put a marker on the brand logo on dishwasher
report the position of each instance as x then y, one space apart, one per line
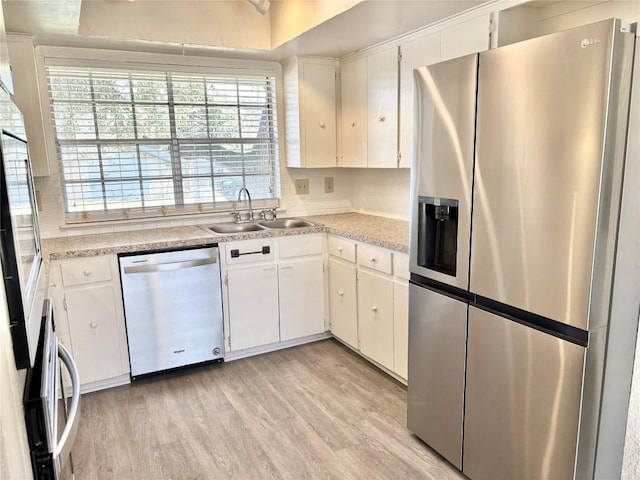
179 351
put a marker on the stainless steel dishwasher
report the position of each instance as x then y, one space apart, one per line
173 309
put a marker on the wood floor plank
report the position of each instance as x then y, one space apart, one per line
317 411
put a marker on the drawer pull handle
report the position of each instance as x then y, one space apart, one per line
266 250
87 273
381 118
374 308
286 267
340 292
322 125
269 269
93 325
372 259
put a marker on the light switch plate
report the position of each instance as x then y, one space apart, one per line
328 184
302 186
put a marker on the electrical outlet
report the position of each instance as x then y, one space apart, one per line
328 184
302 186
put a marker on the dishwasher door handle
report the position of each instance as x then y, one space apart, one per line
163 267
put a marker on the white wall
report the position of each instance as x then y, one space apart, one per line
14 448
232 23
381 192
291 18
564 15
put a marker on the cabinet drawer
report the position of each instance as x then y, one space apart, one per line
374 258
260 250
300 245
87 270
341 248
401 265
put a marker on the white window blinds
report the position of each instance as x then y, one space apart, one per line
146 143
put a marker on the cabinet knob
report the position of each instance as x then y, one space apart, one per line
53 284
374 308
353 124
340 292
372 259
93 325
381 118
322 125
87 273
339 248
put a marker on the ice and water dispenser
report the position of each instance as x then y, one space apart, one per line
438 234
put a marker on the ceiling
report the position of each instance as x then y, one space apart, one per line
58 22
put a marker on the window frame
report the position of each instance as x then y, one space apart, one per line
154 62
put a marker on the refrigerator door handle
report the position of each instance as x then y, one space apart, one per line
68 435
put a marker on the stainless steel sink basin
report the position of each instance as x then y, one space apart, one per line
236 227
287 223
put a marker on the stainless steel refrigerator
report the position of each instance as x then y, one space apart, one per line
524 291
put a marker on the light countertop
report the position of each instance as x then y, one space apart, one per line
381 231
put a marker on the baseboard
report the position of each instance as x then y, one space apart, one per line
104 384
393 375
272 347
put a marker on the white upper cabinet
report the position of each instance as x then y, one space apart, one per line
5 67
415 53
27 99
382 94
310 111
369 111
465 38
353 82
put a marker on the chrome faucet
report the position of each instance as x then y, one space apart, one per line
244 189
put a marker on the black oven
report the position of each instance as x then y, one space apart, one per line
20 249
51 418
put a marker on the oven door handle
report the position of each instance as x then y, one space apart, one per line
69 432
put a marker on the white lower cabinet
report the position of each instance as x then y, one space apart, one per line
301 298
253 306
94 336
401 328
369 301
89 318
343 302
275 290
375 317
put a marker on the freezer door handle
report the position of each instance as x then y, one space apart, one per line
163 267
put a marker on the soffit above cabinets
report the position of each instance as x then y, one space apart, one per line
360 25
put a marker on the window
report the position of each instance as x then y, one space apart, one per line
145 143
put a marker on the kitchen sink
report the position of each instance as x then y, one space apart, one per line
287 223
236 227
284 223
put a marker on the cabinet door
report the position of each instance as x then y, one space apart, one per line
301 298
375 318
343 302
253 306
400 328
354 113
415 53
382 118
318 105
465 38
93 329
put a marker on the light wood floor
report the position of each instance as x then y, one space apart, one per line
315 411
